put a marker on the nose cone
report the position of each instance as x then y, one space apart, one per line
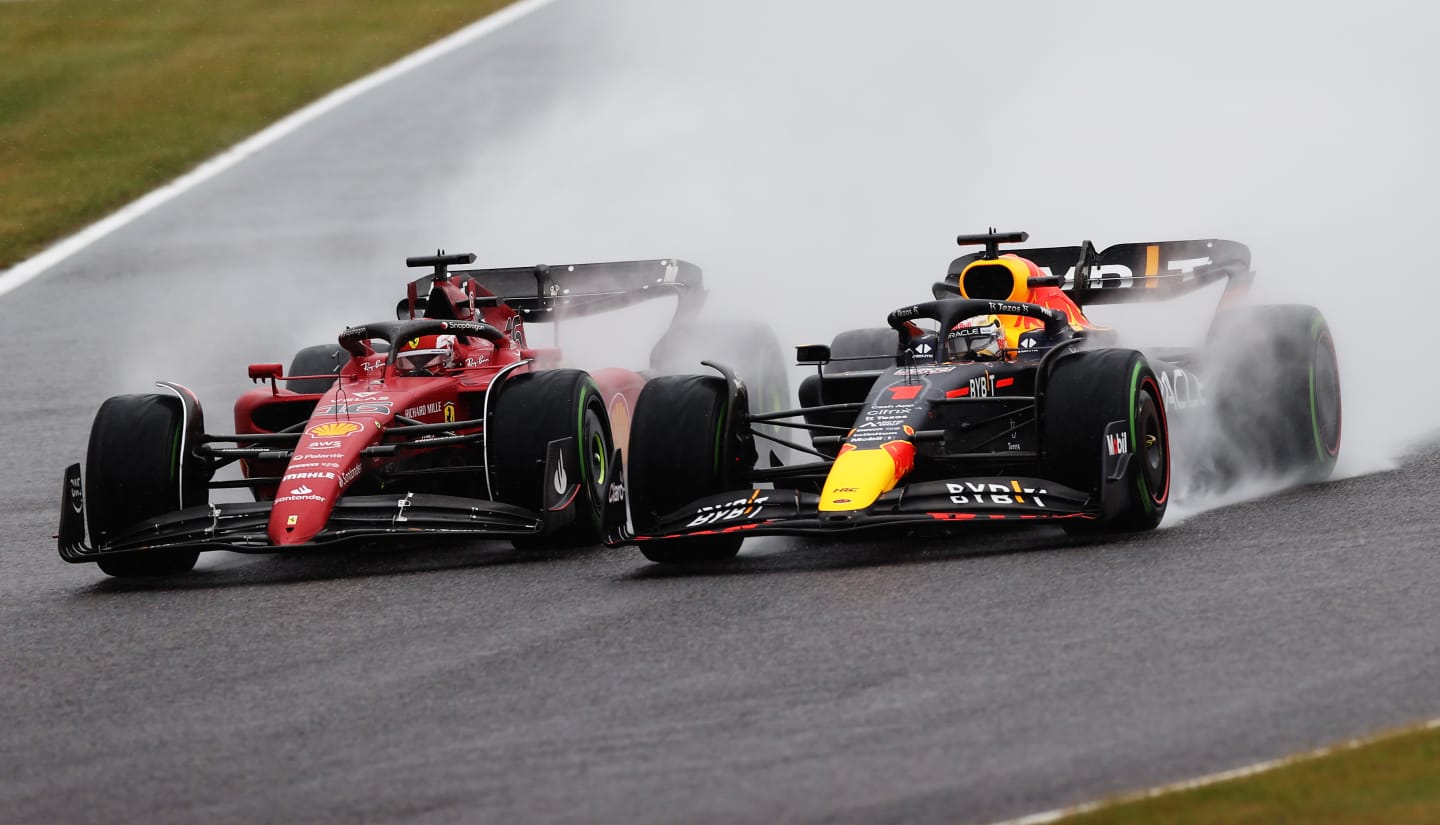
312 483
858 477
302 506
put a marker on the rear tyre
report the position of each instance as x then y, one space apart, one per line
876 344
844 382
321 359
687 442
749 348
1084 393
531 411
137 467
1276 386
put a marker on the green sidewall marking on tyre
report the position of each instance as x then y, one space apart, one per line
1135 438
580 432
1314 414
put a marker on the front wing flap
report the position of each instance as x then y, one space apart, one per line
923 504
241 527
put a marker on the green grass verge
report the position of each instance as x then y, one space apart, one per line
1394 779
102 101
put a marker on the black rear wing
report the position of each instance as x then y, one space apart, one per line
1133 271
552 292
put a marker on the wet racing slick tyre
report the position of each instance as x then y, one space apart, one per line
137 467
1084 393
1274 380
686 443
873 348
532 410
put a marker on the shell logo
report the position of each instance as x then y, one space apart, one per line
334 429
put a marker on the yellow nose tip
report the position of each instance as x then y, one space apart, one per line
857 478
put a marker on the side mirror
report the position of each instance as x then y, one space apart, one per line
817 354
261 372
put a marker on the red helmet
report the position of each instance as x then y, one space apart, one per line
427 355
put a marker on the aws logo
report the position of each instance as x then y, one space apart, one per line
334 429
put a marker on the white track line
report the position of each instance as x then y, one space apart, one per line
1200 782
30 268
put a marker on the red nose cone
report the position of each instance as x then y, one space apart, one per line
302 506
311 485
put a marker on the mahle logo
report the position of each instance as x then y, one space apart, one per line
335 429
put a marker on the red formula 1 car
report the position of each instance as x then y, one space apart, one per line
446 422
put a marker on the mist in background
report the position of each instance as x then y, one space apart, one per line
818 158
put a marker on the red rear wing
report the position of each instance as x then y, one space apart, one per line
1133 271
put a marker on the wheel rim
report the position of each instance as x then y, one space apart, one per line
1153 447
595 457
1325 397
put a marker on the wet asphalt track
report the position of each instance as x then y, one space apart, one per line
938 681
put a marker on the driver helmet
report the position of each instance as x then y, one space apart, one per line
978 337
429 355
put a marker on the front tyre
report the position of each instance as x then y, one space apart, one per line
687 442
531 411
138 466
1103 416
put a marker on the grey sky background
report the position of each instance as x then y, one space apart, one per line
817 158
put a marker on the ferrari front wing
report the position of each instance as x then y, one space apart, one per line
241 527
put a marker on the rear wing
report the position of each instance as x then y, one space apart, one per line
551 292
1132 271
